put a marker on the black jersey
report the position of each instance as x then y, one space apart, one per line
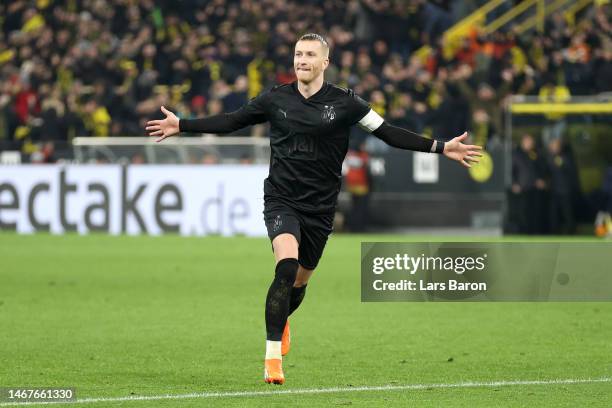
309 139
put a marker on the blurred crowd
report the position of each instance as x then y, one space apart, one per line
546 196
101 67
545 184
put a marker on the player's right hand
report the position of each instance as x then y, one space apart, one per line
163 128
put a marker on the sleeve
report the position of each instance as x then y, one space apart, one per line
407 140
252 113
357 108
370 121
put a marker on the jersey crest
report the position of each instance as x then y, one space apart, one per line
328 114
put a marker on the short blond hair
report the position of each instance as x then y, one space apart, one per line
316 37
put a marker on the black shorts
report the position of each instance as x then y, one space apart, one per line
310 230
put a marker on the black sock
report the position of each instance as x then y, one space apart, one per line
297 295
279 297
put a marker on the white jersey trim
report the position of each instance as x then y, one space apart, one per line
371 121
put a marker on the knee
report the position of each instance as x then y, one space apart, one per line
285 246
287 270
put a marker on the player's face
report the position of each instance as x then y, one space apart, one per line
309 60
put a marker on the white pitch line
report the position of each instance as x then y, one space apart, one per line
296 391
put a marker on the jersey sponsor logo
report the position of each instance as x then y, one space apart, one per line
328 114
302 147
299 146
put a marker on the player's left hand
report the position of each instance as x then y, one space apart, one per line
464 154
164 128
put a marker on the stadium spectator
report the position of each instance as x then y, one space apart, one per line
138 158
529 197
607 188
357 181
563 187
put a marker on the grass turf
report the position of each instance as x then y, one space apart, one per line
121 316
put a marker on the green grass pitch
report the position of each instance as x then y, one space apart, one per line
130 316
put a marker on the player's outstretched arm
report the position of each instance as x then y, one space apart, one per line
454 149
252 113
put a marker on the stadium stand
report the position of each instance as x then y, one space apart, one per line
102 67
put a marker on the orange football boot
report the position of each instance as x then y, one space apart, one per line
273 373
286 340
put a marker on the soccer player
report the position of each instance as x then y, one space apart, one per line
310 121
